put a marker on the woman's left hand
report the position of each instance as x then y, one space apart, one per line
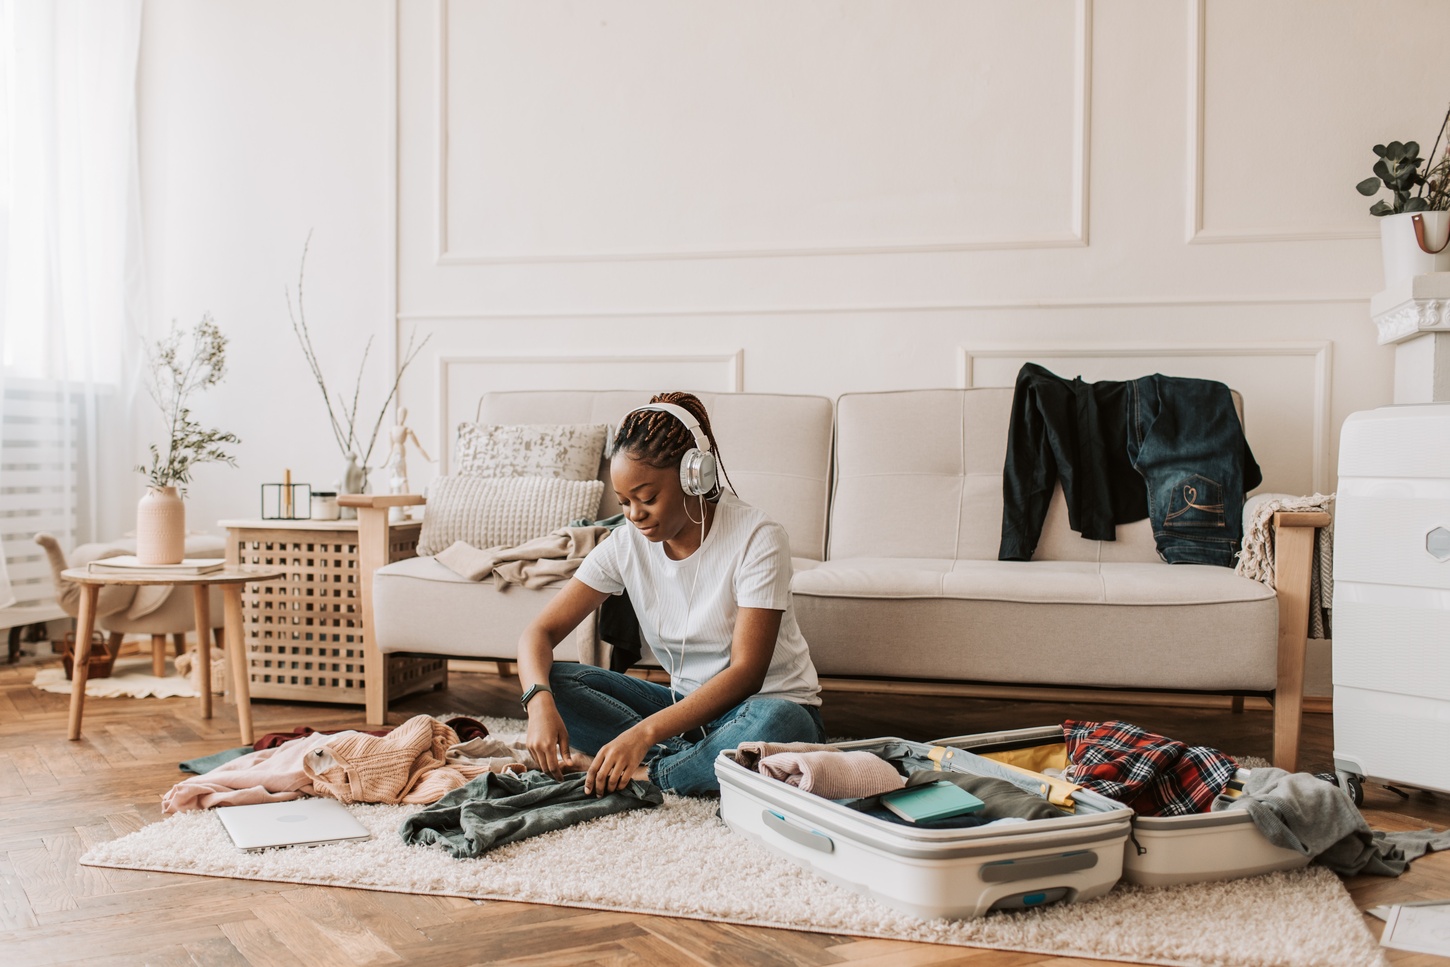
615 764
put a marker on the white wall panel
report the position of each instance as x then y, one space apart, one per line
655 129
847 193
1287 100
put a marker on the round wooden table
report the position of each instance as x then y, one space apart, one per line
229 579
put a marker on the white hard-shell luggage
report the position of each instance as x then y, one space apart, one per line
1391 608
1164 850
951 873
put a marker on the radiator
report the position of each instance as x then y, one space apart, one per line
42 440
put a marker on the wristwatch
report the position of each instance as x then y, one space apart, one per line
532 691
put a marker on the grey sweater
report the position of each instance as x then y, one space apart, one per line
1315 817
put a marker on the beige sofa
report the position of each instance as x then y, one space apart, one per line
893 502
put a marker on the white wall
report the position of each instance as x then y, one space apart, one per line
262 121
818 197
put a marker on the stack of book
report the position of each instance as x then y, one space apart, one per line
129 562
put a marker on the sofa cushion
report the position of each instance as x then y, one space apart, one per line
1045 582
568 450
502 511
1114 625
421 606
919 474
775 448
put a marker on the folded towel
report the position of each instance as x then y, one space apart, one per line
834 775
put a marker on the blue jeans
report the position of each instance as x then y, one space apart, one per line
598 704
1185 438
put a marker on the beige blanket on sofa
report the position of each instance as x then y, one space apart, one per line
539 563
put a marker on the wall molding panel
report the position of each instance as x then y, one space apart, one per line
1197 93
1075 235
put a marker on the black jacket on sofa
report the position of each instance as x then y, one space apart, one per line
1163 447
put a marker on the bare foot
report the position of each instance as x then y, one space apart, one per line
577 762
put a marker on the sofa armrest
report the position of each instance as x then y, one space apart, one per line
1293 567
373 543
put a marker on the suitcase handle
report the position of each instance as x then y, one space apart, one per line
806 837
1005 871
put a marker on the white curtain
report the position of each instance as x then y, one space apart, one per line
70 264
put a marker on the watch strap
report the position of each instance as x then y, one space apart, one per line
531 692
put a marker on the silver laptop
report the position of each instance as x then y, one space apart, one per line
296 822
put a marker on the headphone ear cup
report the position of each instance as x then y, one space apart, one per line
697 472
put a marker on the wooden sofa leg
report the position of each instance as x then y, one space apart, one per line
1293 567
178 642
158 655
1236 704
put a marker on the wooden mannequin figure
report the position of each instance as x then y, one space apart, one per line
397 460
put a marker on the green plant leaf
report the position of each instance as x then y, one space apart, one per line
1369 186
1383 170
1412 149
1395 150
1416 205
1379 149
1380 208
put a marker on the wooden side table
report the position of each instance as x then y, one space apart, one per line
308 630
231 580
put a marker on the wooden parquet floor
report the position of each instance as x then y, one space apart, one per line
58 797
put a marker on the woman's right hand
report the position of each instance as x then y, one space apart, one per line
547 739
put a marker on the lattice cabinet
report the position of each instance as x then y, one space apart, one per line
305 632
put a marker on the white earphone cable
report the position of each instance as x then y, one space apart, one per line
689 602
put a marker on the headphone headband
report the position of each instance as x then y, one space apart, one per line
702 440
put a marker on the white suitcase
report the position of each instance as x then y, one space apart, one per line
951 873
1165 850
1391 609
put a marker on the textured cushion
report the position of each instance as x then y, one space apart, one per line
489 512
568 450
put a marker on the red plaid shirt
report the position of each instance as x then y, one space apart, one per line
1152 775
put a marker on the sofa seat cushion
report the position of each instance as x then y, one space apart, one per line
421 606
1066 623
1045 582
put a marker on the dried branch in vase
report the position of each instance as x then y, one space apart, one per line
343 416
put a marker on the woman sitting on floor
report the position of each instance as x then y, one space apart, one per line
709 578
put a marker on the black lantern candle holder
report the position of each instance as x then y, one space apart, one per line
286 501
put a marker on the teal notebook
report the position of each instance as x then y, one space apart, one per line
938 800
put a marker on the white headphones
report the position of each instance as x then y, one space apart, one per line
697 466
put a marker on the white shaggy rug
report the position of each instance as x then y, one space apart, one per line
680 860
129 678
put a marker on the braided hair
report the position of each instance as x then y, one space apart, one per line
660 440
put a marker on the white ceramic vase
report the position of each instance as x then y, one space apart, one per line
1403 256
161 527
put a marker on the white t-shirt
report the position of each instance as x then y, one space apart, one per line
744 562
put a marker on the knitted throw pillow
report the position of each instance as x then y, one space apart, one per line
568 450
502 511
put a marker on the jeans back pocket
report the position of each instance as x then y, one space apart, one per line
1196 502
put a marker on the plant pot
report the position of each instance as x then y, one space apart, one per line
1403 255
160 527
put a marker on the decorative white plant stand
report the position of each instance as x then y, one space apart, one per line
1413 315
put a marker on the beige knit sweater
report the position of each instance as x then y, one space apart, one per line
409 764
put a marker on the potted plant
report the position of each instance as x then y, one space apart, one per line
1415 223
178 371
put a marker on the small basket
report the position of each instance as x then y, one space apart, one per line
102 659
